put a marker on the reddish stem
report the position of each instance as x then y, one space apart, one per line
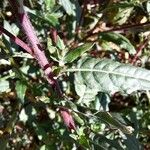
39 54
121 28
54 35
68 119
139 49
16 40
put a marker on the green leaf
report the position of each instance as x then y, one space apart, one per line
3 142
4 86
84 141
119 40
49 4
78 119
22 55
119 5
68 6
74 54
106 143
21 89
132 142
52 18
41 133
86 95
12 28
109 76
4 62
60 44
114 122
101 101
23 116
122 15
148 7
119 13
43 147
52 49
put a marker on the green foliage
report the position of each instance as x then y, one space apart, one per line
4 86
122 12
21 89
74 54
119 40
105 93
97 74
68 6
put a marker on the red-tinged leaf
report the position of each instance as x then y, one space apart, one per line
67 118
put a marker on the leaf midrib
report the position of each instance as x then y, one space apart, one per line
103 71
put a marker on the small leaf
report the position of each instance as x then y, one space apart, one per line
84 141
122 15
119 40
4 62
74 54
148 7
3 142
67 118
118 13
86 95
52 18
43 147
60 44
132 142
68 6
21 89
51 49
105 143
22 55
4 86
109 76
101 102
105 116
78 119
44 99
49 4
12 28
23 116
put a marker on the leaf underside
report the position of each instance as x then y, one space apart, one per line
109 76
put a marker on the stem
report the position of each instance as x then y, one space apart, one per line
40 56
83 12
140 48
16 40
121 28
128 27
34 42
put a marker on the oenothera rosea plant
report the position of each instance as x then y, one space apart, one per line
36 50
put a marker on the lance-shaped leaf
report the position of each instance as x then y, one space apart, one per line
109 76
106 116
119 40
21 89
68 6
74 54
